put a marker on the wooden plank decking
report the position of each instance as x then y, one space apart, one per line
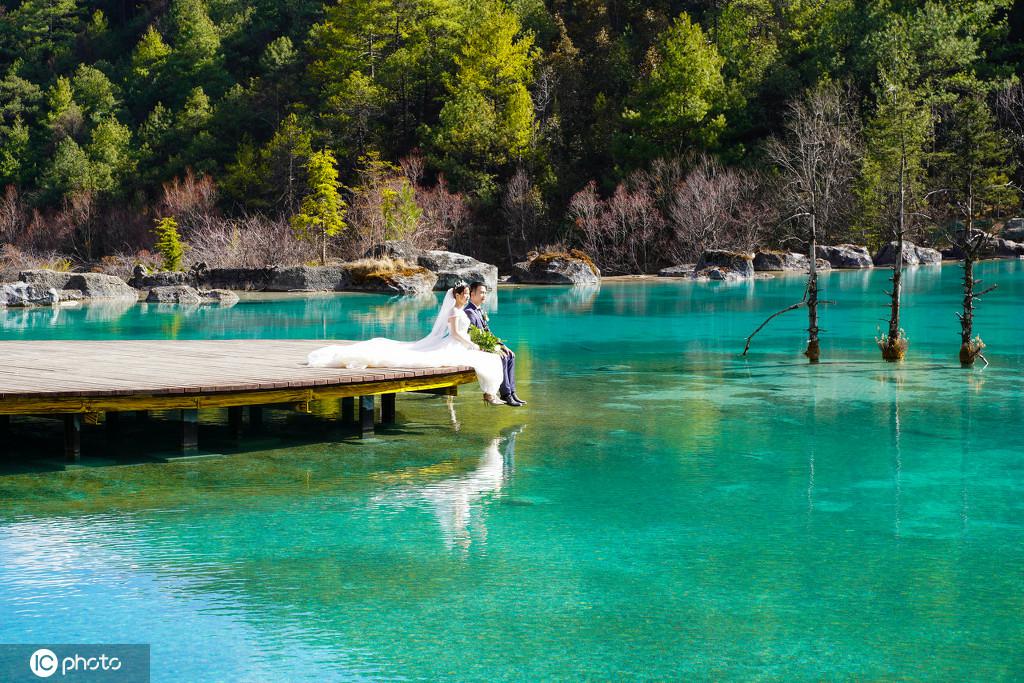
72 377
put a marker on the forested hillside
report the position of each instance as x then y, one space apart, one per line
641 131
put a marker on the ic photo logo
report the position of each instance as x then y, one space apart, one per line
43 663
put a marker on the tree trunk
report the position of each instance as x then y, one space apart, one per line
967 351
895 347
813 351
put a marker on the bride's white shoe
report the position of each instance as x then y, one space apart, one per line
493 400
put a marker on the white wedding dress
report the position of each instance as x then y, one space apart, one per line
437 349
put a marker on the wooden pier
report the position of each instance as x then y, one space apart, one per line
81 381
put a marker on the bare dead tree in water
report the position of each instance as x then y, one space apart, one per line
817 164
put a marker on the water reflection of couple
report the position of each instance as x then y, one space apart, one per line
448 344
452 500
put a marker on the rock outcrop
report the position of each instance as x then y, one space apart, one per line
913 255
143 279
786 261
449 266
683 270
736 262
309 279
91 285
187 295
557 268
846 256
25 294
174 294
1013 230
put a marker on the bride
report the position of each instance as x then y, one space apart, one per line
448 344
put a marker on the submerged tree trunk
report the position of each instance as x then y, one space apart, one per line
894 348
813 351
968 348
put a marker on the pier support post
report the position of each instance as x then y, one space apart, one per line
348 410
366 416
189 430
5 434
73 437
255 419
387 409
235 422
112 426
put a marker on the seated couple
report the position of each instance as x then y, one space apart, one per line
448 344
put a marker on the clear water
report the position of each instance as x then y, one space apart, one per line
663 509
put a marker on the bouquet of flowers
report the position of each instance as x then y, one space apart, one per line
484 339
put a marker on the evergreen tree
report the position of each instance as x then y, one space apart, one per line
168 243
680 101
322 213
487 121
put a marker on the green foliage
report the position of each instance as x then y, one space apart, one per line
401 213
322 213
973 160
487 121
115 102
680 101
168 243
484 339
893 180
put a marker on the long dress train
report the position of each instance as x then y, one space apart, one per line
437 349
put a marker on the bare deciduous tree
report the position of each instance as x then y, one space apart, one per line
713 207
523 211
624 234
817 164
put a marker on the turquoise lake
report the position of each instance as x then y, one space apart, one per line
663 508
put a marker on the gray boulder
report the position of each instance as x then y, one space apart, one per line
845 256
452 268
913 255
719 274
1013 230
741 264
91 285
23 294
775 261
928 256
1004 248
190 296
224 297
174 294
142 279
411 280
556 269
684 270
309 279
243 279
994 247
449 266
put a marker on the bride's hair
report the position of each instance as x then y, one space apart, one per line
460 288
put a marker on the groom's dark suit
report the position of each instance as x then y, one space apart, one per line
508 361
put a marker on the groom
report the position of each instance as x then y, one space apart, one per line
477 318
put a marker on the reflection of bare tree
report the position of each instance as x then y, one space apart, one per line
455 501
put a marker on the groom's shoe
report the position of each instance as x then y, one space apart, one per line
516 398
509 400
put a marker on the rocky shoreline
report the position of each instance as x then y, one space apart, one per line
396 268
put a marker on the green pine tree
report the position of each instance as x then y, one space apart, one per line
322 213
168 243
